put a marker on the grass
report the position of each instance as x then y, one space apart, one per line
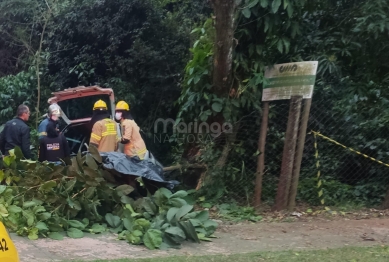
347 254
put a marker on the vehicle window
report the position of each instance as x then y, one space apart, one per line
82 107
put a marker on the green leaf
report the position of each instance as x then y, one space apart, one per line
171 213
113 221
195 222
183 211
90 192
264 3
29 216
41 226
18 153
280 46
180 194
189 231
28 204
44 216
145 224
47 186
14 209
152 238
126 200
76 224
55 227
38 209
2 187
90 161
33 236
172 241
97 228
161 196
203 216
117 229
176 231
217 107
73 204
276 5
85 221
55 236
3 211
286 44
128 224
8 160
134 237
289 9
149 206
124 190
95 153
202 237
75 233
177 202
210 226
246 12
70 185
286 2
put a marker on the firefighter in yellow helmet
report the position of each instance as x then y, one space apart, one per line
134 146
104 131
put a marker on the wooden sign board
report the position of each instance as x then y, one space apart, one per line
292 79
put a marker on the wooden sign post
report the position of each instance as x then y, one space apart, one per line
293 81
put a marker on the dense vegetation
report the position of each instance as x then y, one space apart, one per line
43 200
160 56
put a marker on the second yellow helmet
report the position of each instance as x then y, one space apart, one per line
121 105
100 104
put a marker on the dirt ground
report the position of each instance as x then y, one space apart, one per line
301 234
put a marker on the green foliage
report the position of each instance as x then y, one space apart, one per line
40 199
16 90
236 212
339 194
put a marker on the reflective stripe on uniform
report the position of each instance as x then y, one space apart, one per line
142 151
98 138
109 133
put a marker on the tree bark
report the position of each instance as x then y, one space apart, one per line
38 62
288 154
224 11
261 157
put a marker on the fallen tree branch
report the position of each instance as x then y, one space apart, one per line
191 166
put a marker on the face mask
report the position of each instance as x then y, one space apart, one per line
118 116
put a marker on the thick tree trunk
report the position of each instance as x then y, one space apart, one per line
224 44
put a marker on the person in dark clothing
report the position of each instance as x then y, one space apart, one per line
17 133
53 147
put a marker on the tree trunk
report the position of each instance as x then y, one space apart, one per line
224 44
385 204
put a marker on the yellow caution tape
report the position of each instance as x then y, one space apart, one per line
349 148
319 183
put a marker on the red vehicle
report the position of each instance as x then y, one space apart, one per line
76 105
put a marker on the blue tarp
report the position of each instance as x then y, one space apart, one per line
148 168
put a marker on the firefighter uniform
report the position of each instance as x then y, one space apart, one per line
136 146
104 132
131 138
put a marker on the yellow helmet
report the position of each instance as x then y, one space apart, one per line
100 105
121 105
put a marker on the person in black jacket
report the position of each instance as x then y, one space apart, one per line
17 133
54 146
